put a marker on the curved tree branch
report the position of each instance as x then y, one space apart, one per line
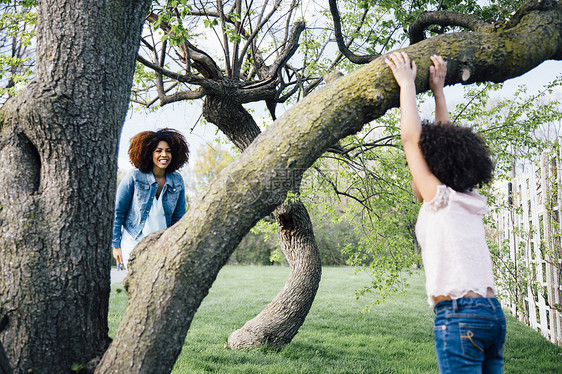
315 82
291 47
468 21
356 59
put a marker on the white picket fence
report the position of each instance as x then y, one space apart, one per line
529 224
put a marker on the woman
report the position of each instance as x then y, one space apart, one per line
152 196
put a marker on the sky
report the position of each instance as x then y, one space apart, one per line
185 116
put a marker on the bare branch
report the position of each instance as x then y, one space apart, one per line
291 47
225 39
259 27
208 85
182 95
201 60
236 60
160 61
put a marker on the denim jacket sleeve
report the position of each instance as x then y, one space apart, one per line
179 210
123 199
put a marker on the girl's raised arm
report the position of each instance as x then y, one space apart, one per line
410 125
437 74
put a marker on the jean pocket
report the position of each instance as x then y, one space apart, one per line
474 338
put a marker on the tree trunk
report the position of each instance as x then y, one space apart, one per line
280 321
231 119
171 272
58 142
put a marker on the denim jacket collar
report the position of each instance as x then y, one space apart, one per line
152 179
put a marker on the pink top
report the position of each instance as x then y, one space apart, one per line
454 250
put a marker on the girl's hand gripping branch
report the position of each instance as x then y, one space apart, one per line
424 182
437 74
405 72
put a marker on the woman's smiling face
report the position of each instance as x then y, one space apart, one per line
162 155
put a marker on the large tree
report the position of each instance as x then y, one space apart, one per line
56 212
58 144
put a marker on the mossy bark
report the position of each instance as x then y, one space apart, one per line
58 145
171 272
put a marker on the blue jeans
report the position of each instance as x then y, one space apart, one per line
469 335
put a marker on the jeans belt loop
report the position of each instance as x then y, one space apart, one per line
455 305
491 301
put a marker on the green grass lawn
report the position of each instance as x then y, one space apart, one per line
395 337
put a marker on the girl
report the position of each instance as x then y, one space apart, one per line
446 163
152 196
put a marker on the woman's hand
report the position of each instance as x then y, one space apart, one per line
437 73
403 69
118 256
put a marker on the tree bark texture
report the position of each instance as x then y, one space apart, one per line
58 146
171 272
281 319
232 119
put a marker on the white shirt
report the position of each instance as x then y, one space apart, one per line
156 219
454 250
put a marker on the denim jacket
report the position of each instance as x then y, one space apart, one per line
134 198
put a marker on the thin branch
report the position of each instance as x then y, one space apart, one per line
160 62
201 60
335 61
236 60
470 102
259 27
225 39
340 193
208 85
291 47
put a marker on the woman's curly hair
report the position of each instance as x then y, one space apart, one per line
144 143
456 155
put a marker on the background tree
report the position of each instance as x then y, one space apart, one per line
209 161
257 246
256 42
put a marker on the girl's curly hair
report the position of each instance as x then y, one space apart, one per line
144 143
456 155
